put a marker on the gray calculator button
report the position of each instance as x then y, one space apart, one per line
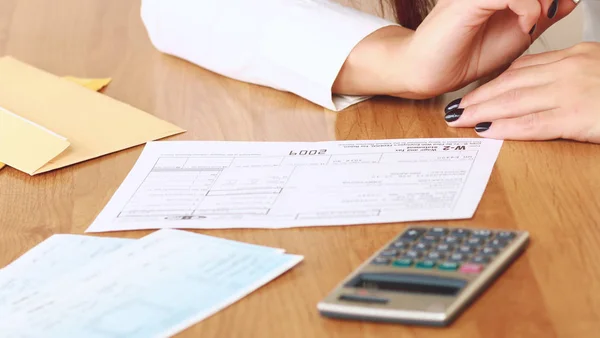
434 255
412 234
498 243
489 251
399 245
457 257
460 232
438 232
421 247
430 239
381 261
452 240
413 254
475 241
389 253
466 249
480 259
507 235
482 233
444 247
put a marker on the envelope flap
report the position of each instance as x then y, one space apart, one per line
25 145
95 124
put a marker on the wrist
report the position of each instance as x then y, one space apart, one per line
377 65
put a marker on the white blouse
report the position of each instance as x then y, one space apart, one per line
297 46
591 20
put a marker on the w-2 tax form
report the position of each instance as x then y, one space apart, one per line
229 184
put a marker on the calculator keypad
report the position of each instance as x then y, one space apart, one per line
445 249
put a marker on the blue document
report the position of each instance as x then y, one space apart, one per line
152 287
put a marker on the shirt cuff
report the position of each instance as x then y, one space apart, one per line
319 36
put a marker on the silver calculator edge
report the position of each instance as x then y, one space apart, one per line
328 307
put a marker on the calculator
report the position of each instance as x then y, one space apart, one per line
425 275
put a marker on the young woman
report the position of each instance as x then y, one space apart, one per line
334 55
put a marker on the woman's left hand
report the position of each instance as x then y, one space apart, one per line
546 96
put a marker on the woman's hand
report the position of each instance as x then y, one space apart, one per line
461 41
540 97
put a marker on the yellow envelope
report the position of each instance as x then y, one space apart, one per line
48 122
93 84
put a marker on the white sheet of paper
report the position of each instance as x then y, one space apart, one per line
57 255
153 287
198 184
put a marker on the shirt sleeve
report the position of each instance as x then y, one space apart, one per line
297 46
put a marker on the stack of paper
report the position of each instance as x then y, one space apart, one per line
80 286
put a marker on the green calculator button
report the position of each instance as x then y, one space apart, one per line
403 263
425 264
448 266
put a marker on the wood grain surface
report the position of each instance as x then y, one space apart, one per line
548 188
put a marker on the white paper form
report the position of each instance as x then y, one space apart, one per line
153 287
198 184
52 258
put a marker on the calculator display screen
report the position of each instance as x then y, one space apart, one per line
409 283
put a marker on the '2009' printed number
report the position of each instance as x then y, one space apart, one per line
308 152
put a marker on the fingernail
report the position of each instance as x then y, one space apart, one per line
483 126
453 115
553 8
532 29
452 105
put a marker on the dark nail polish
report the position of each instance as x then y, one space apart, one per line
532 29
452 105
483 126
552 9
453 115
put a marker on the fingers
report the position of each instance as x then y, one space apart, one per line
513 103
528 11
547 125
511 80
540 59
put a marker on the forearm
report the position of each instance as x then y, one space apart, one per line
379 65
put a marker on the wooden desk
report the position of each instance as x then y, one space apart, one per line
550 188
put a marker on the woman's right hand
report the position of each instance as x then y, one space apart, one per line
459 42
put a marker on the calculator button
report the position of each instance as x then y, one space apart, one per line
457 257
421 247
487 251
507 235
412 234
403 263
474 242
399 245
471 268
429 239
438 232
448 266
381 261
480 259
426 264
460 233
466 249
452 240
436 255
389 253
444 247
498 243
482 233
413 254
